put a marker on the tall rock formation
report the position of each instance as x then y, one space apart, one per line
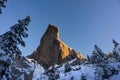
52 50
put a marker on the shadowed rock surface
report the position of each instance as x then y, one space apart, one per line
21 68
52 50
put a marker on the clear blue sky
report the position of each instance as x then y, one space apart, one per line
82 23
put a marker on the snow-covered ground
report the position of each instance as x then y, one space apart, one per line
76 73
38 72
109 69
115 77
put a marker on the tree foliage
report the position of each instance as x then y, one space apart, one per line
116 50
9 42
2 5
53 73
97 56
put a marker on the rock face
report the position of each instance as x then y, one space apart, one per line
22 69
52 50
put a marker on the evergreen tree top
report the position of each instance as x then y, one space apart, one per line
2 4
11 39
115 43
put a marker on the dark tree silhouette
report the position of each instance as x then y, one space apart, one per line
2 5
9 42
115 43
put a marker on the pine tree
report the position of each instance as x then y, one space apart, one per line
67 67
116 50
98 73
115 43
53 74
88 58
9 42
2 4
98 56
83 77
99 51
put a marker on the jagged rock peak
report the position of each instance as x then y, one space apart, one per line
52 31
52 50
